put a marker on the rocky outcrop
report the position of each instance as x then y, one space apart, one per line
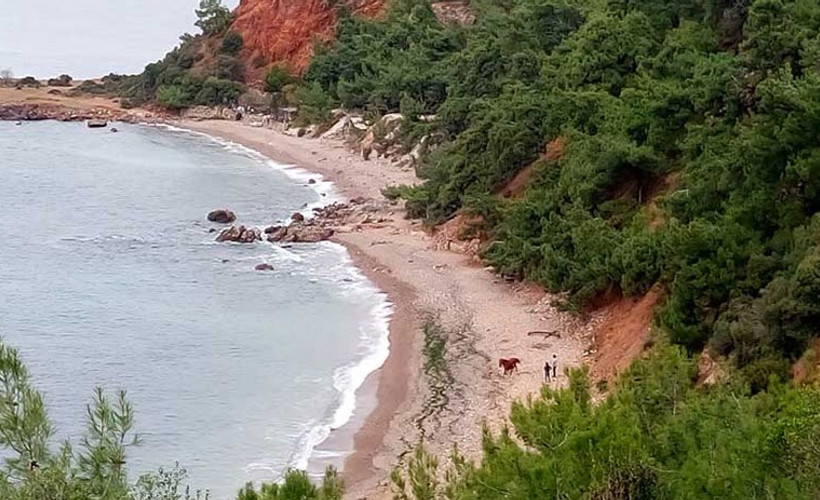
37 112
200 113
327 221
240 234
222 216
299 233
285 31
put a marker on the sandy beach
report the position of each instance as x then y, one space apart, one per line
484 317
429 278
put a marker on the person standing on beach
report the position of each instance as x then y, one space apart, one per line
547 371
555 366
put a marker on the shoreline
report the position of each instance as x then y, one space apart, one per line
385 389
391 311
482 318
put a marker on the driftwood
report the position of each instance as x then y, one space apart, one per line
550 333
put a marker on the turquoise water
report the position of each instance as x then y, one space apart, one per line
111 277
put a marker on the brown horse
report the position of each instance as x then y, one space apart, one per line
509 365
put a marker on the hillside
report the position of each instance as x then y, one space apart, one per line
285 31
652 151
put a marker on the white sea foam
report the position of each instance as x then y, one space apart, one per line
374 343
374 347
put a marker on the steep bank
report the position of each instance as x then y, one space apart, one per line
285 31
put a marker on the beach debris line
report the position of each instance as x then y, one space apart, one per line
545 333
222 216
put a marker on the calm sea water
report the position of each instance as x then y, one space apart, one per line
90 38
110 277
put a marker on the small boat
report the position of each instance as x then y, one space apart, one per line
97 123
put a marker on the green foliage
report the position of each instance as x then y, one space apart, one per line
182 79
228 67
297 486
686 152
213 17
314 103
375 64
658 436
33 470
165 485
276 79
232 43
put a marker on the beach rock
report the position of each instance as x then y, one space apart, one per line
250 235
222 216
231 234
300 234
199 113
240 234
264 267
297 217
311 234
311 181
339 130
276 233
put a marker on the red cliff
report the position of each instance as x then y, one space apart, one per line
285 30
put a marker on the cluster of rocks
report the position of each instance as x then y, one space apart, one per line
379 139
240 234
200 113
322 226
38 112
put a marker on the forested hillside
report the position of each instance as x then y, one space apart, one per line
672 142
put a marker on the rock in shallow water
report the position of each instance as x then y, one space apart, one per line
264 267
240 234
222 216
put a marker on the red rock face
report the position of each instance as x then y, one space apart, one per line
285 31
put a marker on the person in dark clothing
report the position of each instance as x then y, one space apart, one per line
547 371
554 366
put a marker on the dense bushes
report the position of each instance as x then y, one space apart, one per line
657 436
690 155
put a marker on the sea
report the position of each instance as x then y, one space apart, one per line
91 38
111 277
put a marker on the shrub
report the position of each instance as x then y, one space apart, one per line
232 43
61 81
229 68
277 78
